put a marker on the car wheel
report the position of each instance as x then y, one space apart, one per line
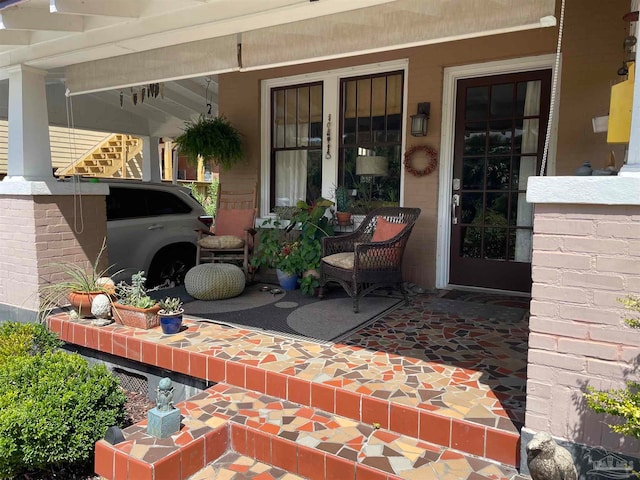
170 265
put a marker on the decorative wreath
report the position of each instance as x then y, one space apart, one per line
431 164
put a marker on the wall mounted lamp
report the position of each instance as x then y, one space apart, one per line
420 120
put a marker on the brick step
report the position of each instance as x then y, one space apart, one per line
295 438
474 423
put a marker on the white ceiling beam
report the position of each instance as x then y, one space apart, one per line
110 8
39 19
15 37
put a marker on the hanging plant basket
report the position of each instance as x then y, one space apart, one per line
214 139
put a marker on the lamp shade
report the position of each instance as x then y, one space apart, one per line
373 166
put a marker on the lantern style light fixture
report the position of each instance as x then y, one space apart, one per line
420 120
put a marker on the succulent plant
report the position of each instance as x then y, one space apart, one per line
170 305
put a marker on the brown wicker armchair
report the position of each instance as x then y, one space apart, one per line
370 257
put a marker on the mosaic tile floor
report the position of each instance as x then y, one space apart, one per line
441 371
298 440
491 348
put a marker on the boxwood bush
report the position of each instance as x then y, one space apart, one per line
25 339
53 407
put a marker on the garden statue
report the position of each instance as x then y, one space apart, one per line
164 395
163 420
548 461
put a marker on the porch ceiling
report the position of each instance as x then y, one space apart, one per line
105 48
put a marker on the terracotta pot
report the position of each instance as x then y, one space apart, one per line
344 218
129 316
81 302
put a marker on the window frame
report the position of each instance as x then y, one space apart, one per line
331 106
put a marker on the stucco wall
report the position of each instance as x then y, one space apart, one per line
39 232
593 52
586 256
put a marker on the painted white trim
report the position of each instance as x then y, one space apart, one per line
445 174
331 100
598 190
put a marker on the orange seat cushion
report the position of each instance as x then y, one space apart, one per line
234 221
386 230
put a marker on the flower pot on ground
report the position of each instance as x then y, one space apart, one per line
134 308
288 281
295 246
343 205
170 315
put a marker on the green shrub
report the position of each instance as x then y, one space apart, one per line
53 408
25 339
624 403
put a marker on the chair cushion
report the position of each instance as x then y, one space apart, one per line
234 221
386 230
221 241
340 260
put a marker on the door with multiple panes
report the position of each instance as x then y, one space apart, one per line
500 129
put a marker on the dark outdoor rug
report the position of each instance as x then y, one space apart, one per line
290 312
488 298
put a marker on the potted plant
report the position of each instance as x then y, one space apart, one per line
134 307
212 138
79 287
343 205
170 314
295 248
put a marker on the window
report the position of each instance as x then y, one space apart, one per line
296 144
340 127
123 203
371 139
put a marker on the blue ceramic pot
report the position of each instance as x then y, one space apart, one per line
170 323
288 281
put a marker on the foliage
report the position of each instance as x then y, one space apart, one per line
170 305
135 294
19 339
343 199
296 247
212 138
77 279
623 403
208 199
53 408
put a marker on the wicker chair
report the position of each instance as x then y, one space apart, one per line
234 224
371 256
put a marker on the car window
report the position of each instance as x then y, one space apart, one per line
125 202
165 203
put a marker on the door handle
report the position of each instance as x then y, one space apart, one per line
455 203
155 226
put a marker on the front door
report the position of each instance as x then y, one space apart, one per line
501 122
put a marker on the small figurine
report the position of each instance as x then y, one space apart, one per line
549 461
164 395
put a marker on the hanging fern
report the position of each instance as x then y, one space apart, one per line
213 138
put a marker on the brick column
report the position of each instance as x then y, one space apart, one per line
37 232
586 255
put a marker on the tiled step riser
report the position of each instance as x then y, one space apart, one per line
291 457
115 463
461 435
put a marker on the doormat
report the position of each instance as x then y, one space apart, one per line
488 298
288 312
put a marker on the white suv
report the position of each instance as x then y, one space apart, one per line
152 227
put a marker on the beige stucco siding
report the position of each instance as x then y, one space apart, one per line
592 54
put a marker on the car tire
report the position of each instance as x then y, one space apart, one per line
170 265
